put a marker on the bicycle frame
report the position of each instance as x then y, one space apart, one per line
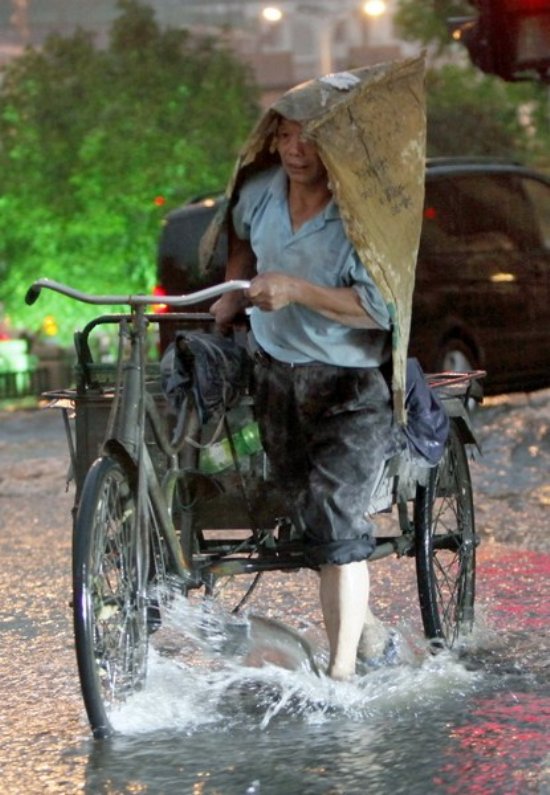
132 405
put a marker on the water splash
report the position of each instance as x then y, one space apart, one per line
220 671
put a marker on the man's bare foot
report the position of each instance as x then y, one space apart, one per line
340 675
374 639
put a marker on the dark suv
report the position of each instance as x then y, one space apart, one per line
482 293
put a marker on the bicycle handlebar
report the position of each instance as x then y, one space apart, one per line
135 300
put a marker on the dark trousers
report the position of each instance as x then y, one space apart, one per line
326 431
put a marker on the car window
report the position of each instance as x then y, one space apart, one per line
477 212
539 196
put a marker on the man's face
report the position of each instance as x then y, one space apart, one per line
299 158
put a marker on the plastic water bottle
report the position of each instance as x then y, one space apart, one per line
247 439
217 457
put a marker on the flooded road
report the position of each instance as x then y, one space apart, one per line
476 722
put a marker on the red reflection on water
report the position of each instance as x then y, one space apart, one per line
515 587
501 749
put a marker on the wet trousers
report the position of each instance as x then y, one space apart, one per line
326 432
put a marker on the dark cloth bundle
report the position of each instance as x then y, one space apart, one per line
211 367
427 425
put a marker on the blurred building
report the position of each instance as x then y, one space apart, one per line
291 42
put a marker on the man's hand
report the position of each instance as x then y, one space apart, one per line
275 290
271 291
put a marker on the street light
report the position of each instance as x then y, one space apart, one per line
374 8
272 14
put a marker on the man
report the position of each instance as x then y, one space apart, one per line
322 333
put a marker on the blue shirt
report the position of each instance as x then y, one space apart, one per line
318 252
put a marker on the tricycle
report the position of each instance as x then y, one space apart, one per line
154 517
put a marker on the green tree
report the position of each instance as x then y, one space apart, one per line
473 114
91 138
427 22
469 112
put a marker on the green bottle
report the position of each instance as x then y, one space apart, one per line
217 457
247 440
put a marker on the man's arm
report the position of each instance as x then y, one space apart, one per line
272 291
241 264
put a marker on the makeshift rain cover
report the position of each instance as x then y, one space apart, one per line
369 125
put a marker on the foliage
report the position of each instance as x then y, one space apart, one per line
469 112
96 145
426 22
472 114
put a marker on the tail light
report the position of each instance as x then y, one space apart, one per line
160 307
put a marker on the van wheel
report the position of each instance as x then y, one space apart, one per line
457 357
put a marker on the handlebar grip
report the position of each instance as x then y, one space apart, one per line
32 294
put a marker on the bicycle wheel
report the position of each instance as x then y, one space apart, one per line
445 547
111 560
